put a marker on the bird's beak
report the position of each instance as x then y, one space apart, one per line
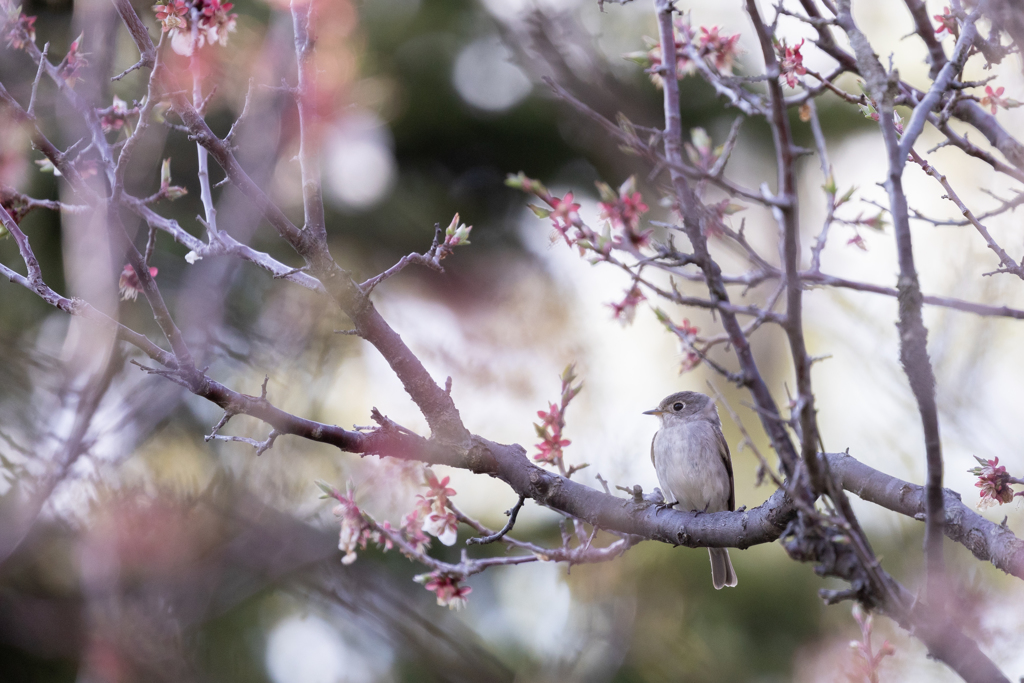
654 411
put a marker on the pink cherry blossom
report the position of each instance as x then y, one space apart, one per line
447 588
792 63
129 284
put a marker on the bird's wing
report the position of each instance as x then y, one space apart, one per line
723 450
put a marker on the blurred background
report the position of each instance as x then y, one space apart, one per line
133 550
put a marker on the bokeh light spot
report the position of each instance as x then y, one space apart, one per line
359 164
309 650
486 78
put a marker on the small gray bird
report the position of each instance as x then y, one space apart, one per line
694 469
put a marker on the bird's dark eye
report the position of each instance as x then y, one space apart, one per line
677 406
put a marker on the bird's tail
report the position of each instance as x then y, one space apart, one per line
722 573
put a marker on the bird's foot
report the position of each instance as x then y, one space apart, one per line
665 506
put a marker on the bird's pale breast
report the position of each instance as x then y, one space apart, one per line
689 466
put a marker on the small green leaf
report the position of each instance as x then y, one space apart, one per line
608 195
569 373
628 187
641 57
165 173
541 212
329 490
830 183
846 197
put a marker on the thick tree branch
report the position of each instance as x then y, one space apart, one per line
985 539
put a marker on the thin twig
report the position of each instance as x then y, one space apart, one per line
512 514
1006 263
35 82
241 117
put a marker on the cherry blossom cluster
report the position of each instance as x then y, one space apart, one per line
433 515
15 204
457 234
356 531
129 285
549 450
412 531
687 336
791 62
993 98
73 63
357 528
563 211
438 519
717 50
17 29
994 482
947 23
116 115
717 213
874 222
19 32
625 311
623 209
447 587
212 20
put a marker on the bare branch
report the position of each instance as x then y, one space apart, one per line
1006 263
139 34
241 117
209 208
35 83
260 446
